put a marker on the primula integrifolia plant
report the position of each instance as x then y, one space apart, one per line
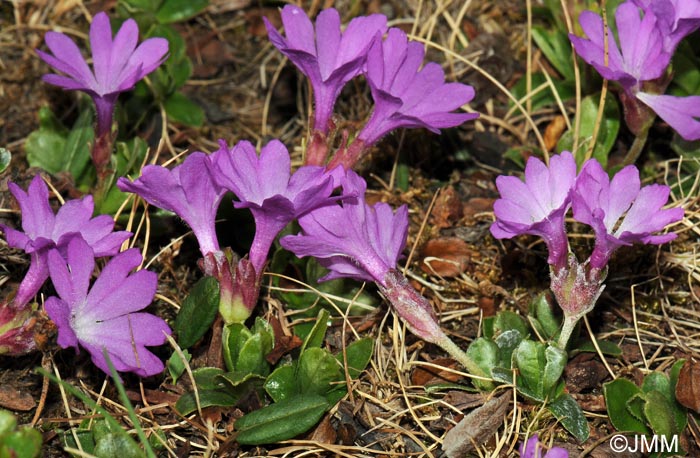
619 211
118 65
356 240
405 95
648 33
106 316
43 231
328 57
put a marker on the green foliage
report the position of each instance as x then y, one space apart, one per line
126 160
607 131
5 158
197 312
342 292
17 442
302 390
176 366
650 409
507 354
56 149
156 19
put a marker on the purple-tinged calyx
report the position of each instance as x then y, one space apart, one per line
538 205
239 286
106 316
42 231
619 211
118 64
188 190
328 57
16 330
405 95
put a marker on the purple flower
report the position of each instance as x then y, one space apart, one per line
681 113
118 64
264 184
406 95
326 56
619 211
643 56
677 18
533 449
188 190
104 316
353 240
43 231
538 205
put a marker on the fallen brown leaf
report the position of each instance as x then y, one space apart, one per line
424 375
446 257
447 209
553 132
688 386
14 399
476 428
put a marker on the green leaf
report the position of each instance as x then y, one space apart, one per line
197 312
45 146
176 367
569 413
608 348
85 437
316 370
207 378
236 379
556 47
507 320
234 337
617 394
282 383
5 158
117 445
507 342
607 133
252 356
315 338
680 411
76 153
555 363
207 398
179 10
659 413
281 420
485 353
545 313
358 354
181 109
530 359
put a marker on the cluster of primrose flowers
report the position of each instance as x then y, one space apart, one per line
349 237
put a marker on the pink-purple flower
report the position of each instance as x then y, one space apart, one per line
328 57
354 239
647 41
118 64
538 205
265 185
106 316
533 449
640 56
42 231
620 211
188 190
406 93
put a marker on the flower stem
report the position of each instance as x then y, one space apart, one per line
566 330
457 353
636 148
